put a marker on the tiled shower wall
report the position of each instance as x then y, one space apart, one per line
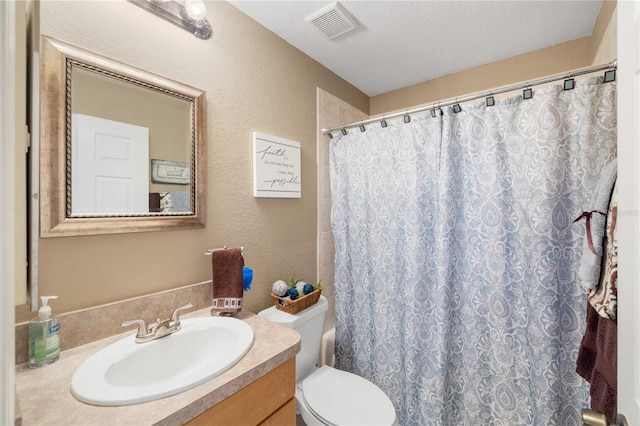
332 112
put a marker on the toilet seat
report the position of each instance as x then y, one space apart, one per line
340 398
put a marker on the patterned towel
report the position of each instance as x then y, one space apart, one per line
604 298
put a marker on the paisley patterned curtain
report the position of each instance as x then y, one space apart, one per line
456 257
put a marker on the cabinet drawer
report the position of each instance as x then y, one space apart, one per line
256 402
285 416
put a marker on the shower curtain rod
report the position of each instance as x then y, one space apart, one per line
611 66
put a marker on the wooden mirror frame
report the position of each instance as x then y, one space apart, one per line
55 146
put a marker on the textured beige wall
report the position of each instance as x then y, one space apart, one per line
254 82
604 43
529 66
598 48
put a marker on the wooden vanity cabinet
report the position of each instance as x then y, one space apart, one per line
269 401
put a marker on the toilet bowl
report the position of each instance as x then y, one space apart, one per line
326 395
333 397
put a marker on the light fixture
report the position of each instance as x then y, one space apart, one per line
195 9
189 15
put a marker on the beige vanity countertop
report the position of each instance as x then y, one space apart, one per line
45 396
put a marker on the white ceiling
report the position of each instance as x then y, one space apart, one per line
401 43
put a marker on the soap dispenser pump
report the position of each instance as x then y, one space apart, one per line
44 336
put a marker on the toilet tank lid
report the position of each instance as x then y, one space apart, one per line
295 320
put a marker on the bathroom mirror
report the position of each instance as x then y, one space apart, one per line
121 149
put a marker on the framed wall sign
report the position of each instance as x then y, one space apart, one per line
276 167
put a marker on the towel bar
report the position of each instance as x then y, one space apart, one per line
208 252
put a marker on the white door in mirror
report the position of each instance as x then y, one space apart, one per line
110 166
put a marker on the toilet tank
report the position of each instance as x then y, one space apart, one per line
308 323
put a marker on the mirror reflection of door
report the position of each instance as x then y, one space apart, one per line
110 166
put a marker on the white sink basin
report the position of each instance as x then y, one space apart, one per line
126 372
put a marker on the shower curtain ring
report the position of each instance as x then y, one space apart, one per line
610 74
490 101
569 83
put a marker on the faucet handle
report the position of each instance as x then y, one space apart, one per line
143 329
175 316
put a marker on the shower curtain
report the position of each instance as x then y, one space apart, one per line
456 257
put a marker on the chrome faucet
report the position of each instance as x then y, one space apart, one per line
159 329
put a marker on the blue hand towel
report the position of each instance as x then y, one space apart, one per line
591 261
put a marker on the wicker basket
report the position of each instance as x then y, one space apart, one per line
294 306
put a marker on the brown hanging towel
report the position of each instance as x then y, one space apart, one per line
226 278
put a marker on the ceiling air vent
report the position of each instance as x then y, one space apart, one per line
333 20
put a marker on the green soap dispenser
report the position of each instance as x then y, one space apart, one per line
44 336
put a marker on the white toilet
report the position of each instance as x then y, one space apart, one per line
325 395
